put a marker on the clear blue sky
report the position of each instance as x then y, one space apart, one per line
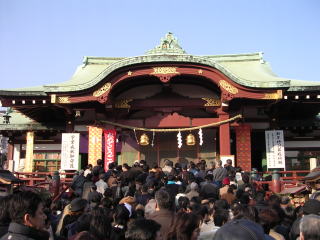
42 42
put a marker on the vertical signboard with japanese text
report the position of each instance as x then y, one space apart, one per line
110 147
275 149
70 151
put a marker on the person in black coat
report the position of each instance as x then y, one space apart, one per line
27 217
4 215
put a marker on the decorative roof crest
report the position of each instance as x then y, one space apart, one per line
169 45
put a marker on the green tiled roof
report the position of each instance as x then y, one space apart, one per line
246 69
249 70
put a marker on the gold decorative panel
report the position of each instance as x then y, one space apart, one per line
212 102
228 87
63 99
102 90
277 95
165 70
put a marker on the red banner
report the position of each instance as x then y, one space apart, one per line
110 147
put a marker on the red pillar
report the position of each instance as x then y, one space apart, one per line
243 143
224 136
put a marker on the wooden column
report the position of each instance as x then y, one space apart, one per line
28 164
224 135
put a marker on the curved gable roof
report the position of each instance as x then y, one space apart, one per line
245 69
249 70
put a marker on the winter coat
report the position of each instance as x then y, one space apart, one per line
18 231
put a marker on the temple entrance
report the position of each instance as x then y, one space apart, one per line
165 146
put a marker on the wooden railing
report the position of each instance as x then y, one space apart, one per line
38 180
294 175
34 178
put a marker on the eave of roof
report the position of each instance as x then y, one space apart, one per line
19 121
28 91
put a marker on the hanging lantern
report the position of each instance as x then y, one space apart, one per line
144 140
190 140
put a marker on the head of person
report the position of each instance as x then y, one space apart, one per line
143 229
143 162
229 162
125 167
192 165
312 206
268 218
240 229
27 208
202 166
220 217
201 211
102 176
136 163
99 162
121 215
106 203
211 165
275 200
163 199
111 165
259 197
310 227
4 210
144 189
168 163
78 205
89 166
48 177
194 186
185 226
247 212
221 204
218 163
203 161
208 178
183 203
100 223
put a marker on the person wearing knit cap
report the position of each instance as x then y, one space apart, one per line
226 192
225 186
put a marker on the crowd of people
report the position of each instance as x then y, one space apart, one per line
176 202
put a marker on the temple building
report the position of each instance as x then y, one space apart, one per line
226 103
